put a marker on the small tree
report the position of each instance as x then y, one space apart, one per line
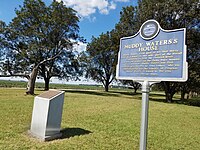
100 60
133 84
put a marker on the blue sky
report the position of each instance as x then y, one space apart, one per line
97 16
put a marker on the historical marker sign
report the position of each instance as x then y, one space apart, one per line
153 54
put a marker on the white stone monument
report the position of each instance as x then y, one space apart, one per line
47 115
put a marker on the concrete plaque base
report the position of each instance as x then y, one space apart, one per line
46 138
47 115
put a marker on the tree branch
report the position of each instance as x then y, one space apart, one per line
49 59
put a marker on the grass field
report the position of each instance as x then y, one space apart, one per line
95 120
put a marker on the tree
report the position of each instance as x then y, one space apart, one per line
127 26
40 38
133 84
192 85
2 26
172 15
170 89
100 60
65 66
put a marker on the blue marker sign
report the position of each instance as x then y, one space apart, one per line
153 54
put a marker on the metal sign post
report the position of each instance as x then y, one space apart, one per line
144 115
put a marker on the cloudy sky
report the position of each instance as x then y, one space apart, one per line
86 8
97 16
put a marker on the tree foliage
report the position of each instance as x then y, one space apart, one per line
127 25
100 60
40 38
101 54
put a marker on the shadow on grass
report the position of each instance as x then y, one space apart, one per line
157 97
92 93
102 93
125 93
71 132
189 102
157 94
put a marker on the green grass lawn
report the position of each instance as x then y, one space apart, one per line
95 120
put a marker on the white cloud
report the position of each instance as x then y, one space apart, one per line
86 8
92 19
112 5
80 47
104 11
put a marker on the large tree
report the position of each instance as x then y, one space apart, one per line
40 38
100 60
193 44
127 25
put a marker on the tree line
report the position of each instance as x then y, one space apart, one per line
39 42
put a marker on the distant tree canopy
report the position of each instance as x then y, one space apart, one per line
100 60
40 39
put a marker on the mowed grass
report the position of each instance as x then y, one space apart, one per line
95 120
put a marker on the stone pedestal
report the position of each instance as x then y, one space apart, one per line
47 115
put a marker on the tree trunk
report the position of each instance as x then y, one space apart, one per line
182 96
183 92
106 86
170 90
169 97
46 88
46 75
135 90
31 81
